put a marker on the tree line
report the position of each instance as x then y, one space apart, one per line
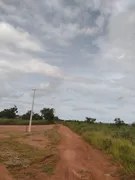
117 121
47 114
44 114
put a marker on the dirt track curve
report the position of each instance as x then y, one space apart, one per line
79 161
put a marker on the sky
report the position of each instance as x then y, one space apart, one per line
80 55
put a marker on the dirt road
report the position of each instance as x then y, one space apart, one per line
81 161
78 160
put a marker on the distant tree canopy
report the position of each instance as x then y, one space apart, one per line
48 114
36 116
9 113
26 116
90 120
118 122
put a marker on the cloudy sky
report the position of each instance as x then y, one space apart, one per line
80 54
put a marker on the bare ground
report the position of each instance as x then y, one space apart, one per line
78 160
14 128
38 141
81 161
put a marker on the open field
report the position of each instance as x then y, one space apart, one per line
51 152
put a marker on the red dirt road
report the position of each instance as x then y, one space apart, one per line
15 128
81 161
78 160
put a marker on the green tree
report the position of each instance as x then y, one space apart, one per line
48 114
90 120
10 113
26 116
36 116
118 122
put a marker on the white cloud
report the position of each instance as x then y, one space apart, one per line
29 66
10 35
117 47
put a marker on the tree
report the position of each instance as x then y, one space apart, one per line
90 120
10 113
36 116
26 116
118 122
48 114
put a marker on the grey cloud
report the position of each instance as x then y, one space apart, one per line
87 109
67 100
120 98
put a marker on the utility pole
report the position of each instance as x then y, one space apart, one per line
30 122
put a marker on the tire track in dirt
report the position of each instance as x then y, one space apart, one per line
80 161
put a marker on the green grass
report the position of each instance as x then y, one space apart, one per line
22 122
120 142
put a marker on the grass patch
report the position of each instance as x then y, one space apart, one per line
22 122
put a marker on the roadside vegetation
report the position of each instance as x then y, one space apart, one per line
117 139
